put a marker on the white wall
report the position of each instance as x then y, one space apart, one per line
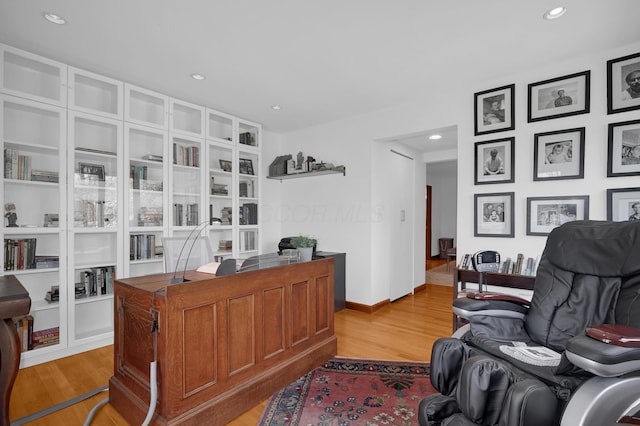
342 212
595 182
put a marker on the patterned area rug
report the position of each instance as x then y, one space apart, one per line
352 392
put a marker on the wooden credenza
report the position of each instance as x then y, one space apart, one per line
223 344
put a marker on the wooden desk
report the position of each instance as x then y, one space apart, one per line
14 302
224 343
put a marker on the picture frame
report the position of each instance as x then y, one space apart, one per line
559 154
623 204
245 166
226 165
495 161
95 171
623 84
494 110
546 213
493 213
559 97
623 149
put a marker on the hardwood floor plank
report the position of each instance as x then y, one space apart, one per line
402 330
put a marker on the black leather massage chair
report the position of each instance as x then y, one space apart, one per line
570 356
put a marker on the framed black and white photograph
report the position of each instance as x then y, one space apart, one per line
623 84
225 165
623 204
623 153
246 166
495 161
559 97
559 154
494 110
493 215
91 171
546 213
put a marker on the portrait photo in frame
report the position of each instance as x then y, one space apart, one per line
623 204
493 215
559 97
623 84
559 154
226 165
623 152
546 213
246 166
494 110
91 171
494 161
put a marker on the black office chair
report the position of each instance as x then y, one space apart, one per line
571 356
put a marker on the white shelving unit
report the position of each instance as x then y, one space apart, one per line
110 146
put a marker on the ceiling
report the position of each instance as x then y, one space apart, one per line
320 60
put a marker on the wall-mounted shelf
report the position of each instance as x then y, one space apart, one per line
342 171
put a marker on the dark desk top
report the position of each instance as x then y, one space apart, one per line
14 299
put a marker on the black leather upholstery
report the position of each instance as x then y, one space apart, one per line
589 274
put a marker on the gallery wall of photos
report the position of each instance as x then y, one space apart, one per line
559 153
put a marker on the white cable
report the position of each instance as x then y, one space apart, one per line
153 384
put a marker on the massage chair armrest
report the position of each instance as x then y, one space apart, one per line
606 350
490 304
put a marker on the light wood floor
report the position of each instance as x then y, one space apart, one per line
402 330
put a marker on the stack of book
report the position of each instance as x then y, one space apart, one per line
53 295
225 245
47 337
16 165
46 262
51 220
44 176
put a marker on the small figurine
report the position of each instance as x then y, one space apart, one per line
11 215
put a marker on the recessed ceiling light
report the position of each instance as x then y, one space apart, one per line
555 13
198 76
435 137
53 18
276 107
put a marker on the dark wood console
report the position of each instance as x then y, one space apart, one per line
223 344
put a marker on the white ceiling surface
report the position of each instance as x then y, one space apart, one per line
321 60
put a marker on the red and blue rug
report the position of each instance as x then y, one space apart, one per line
352 392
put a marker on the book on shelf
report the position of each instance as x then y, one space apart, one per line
45 262
19 254
153 157
186 155
249 214
24 327
246 189
44 176
142 246
94 150
96 281
247 138
226 216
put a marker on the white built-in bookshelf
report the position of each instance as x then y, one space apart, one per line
97 172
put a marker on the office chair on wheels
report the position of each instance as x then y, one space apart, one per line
570 356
